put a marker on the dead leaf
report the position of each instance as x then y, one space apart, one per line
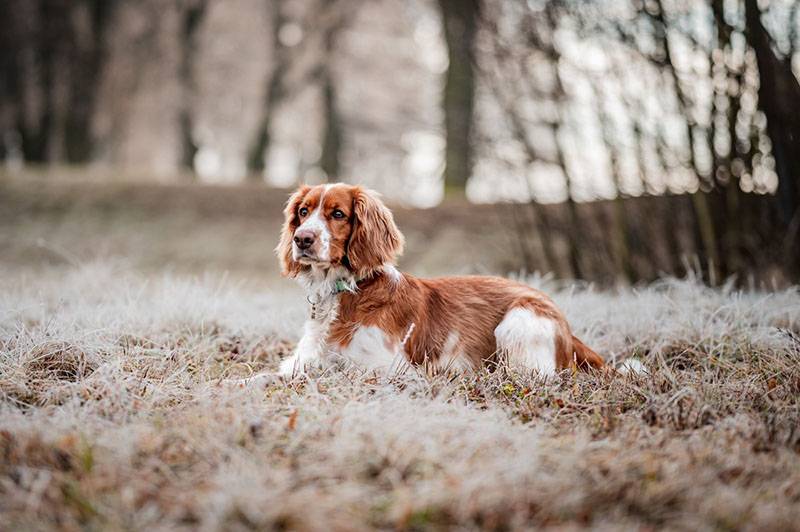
292 420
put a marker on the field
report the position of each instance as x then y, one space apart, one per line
114 413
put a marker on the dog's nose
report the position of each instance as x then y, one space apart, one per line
304 239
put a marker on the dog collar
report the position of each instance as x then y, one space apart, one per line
339 286
342 286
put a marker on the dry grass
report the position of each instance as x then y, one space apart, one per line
111 417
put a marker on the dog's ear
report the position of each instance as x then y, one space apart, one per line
375 239
289 266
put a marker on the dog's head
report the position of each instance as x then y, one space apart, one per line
337 225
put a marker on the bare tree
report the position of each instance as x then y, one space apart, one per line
88 55
327 21
460 22
193 15
67 47
779 94
274 91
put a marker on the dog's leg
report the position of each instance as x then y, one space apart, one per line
528 340
257 381
310 351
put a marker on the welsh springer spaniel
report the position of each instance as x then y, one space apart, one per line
341 243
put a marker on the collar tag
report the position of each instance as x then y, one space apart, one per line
341 286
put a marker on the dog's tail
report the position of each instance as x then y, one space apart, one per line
584 357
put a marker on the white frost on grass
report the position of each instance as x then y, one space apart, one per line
105 298
111 416
681 313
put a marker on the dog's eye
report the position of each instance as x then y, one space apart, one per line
338 214
303 212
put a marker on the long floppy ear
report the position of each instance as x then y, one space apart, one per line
375 239
289 266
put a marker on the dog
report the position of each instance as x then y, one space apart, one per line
341 243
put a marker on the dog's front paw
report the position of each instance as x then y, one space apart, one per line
298 366
259 381
291 367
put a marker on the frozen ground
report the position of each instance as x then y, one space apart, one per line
111 416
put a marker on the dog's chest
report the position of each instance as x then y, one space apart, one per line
370 348
365 346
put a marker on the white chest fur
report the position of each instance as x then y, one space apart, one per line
371 350
312 349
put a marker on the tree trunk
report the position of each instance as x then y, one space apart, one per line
619 229
11 37
256 155
460 20
703 214
329 160
192 20
778 97
50 34
87 66
331 142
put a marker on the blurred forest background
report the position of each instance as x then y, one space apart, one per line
607 140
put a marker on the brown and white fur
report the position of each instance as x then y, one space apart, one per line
381 319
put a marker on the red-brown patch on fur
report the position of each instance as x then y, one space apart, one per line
470 306
342 198
585 357
290 267
375 238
